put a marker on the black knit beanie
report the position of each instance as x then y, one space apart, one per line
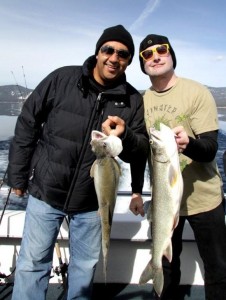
116 33
154 39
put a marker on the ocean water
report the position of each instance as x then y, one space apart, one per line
7 125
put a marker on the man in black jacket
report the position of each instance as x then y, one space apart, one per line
50 156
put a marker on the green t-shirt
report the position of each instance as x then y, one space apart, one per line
191 105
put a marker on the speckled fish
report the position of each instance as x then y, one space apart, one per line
163 213
106 172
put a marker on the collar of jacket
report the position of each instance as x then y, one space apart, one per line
117 88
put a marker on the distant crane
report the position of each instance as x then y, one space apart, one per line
25 82
21 95
20 92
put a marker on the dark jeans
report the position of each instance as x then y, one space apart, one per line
210 234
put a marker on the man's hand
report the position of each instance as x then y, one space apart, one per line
136 205
19 192
113 125
181 137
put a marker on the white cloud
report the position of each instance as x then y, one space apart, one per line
219 58
150 7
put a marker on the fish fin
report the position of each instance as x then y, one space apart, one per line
151 247
92 169
147 274
176 221
118 166
149 211
168 253
173 176
158 281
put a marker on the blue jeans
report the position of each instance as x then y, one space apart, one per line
41 228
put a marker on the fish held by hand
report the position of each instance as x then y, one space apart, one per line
106 173
163 213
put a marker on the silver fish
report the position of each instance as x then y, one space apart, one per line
106 172
163 213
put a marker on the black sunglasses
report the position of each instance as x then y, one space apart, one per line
108 50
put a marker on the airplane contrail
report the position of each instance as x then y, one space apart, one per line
150 7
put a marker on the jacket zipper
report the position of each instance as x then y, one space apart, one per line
84 146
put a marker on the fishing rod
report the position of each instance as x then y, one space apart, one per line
2 275
7 199
5 205
63 267
3 179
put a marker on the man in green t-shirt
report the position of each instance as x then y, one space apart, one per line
190 110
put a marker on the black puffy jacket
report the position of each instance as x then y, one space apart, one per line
51 154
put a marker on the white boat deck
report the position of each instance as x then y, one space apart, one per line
129 248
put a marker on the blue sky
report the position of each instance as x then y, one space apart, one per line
42 35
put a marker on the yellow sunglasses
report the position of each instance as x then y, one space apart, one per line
148 54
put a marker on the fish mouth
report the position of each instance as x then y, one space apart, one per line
97 135
155 135
111 143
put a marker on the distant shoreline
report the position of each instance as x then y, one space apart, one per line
8 124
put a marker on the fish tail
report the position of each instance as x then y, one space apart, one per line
105 248
153 273
147 274
158 281
105 269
